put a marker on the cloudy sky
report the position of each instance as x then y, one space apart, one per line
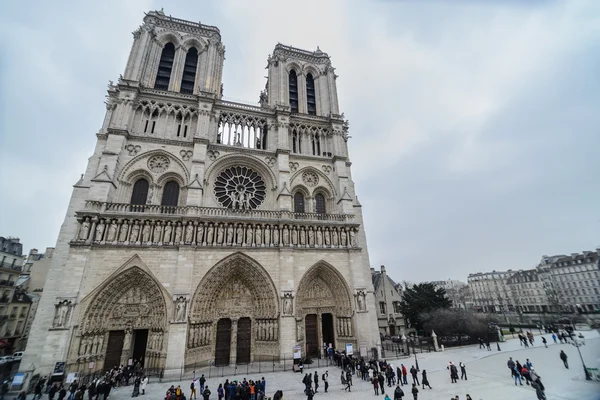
475 127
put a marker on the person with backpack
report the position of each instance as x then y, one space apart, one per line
325 382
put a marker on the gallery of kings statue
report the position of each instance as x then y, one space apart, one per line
205 231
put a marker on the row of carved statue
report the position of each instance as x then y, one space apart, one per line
344 327
146 232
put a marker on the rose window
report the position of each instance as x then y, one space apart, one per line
240 188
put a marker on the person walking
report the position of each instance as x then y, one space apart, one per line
381 382
511 365
554 337
463 370
398 393
563 357
404 374
528 364
424 380
413 372
202 381
517 375
325 378
415 391
220 391
62 393
487 344
316 382
539 392
375 382
544 341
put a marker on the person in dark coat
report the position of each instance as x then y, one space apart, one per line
106 392
52 392
316 382
538 391
424 380
62 393
92 390
463 370
563 357
381 382
415 391
413 372
398 393
375 383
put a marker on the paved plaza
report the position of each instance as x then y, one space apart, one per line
488 376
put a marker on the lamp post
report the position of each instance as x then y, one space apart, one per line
588 376
415 352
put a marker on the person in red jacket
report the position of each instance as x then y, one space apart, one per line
404 373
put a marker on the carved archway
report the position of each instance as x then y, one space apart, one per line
237 287
130 301
323 295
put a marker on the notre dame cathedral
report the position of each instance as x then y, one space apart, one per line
205 231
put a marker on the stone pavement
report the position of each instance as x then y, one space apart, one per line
488 376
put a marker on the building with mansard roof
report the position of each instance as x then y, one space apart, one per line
205 231
388 295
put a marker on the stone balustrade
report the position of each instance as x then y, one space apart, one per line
140 229
151 209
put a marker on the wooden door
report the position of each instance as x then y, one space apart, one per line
312 335
244 337
223 346
114 349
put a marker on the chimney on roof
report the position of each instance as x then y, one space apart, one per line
372 271
383 269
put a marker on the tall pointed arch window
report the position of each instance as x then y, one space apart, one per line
170 196
299 202
165 66
311 103
293 86
320 204
139 195
189 71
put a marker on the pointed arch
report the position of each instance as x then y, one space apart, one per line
323 287
236 286
139 162
324 180
130 298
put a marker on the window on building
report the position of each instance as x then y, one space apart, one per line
299 202
320 204
165 67
18 331
170 196
311 104
139 195
189 71
293 89
382 307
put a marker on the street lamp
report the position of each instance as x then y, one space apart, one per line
415 352
588 376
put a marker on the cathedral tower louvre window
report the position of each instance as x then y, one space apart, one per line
165 66
311 104
170 196
139 195
293 78
299 203
189 71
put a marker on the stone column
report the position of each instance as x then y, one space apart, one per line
233 345
126 352
435 341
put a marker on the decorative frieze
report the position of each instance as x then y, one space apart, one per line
344 327
178 232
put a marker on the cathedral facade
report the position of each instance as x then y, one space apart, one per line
208 231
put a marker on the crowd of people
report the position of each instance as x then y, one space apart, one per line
228 390
526 372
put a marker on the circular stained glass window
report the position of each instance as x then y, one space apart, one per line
240 188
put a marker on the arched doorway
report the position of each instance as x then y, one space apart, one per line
234 315
323 310
125 319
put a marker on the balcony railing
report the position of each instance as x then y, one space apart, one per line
11 266
131 209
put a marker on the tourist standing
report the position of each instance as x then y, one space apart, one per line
316 382
326 380
375 382
413 372
398 393
206 393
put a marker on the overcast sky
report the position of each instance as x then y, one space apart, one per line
475 128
